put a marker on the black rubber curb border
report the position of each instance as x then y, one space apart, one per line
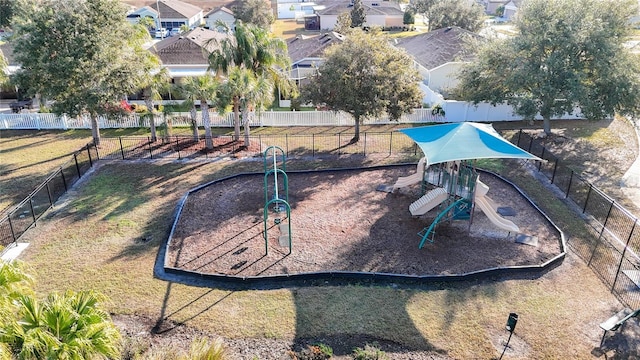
338 278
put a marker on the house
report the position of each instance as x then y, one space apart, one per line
186 54
306 54
385 14
440 54
170 14
511 8
491 6
220 14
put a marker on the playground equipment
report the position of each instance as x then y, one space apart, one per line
444 170
456 189
276 198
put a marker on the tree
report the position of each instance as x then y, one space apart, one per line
202 88
256 12
568 54
343 23
426 8
252 48
466 14
248 92
154 85
500 11
82 54
409 17
6 12
358 14
365 76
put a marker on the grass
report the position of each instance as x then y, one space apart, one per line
122 214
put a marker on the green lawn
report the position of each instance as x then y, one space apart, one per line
107 235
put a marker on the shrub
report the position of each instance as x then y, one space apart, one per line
369 352
317 351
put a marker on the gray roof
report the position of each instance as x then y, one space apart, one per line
440 46
191 47
302 47
221 9
175 9
386 9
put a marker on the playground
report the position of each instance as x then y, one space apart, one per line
435 218
339 222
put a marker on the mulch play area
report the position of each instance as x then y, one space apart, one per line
339 222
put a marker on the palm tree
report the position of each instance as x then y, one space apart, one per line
154 85
204 89
67 326
252 48
190 101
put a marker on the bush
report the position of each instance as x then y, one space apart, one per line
370 352
139 108
317 351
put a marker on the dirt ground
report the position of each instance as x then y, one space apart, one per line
339 222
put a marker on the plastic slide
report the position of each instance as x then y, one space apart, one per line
428 201
490 209
415 178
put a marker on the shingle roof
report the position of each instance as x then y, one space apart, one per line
175 9
302 47
440 46
338 9
222 9
188 48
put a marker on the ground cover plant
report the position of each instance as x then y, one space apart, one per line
105 235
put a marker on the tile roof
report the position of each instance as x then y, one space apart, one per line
302 47
175 9
187 48
440 46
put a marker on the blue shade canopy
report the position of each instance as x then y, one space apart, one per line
464 141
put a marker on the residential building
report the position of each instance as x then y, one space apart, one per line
220 14
385 14
170 14
440 54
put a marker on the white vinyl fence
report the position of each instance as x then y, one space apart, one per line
456 111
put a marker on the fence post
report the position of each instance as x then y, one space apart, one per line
541 157
49 194
150 151
75 158
13 234
286 141
339 142
33 213
519 134
530 143
260 142
64 181
390 141
121 148
569 186
178 146
313 145
555 167
586 201
624 251
365 144
89 153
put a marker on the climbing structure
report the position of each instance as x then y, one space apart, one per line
276 196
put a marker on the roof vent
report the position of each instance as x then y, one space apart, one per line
447 29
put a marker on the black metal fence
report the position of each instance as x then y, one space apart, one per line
15 222
314 145
613 250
